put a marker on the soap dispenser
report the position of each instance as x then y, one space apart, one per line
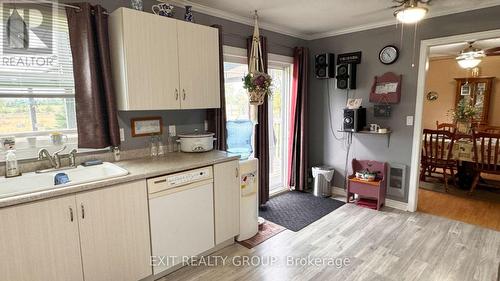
11 165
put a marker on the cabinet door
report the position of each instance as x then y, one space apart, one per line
226 201
39 241
147 71
198 66
114 232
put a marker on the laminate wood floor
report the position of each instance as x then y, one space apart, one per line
386 245
469 210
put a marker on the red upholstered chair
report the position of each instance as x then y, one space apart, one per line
371 194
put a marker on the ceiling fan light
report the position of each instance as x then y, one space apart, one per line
468 63
411 14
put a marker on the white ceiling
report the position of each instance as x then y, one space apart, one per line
321 18
452 50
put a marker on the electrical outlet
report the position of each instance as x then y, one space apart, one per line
171 130
206 125
409 120
122 134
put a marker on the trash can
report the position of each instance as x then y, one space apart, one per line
323 177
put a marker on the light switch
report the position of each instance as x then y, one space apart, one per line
409 120
171 130
122 134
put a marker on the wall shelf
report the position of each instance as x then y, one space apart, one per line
387 134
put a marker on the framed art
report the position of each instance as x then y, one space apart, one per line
146 126
465 90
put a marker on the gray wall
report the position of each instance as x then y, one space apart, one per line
324 149
235 34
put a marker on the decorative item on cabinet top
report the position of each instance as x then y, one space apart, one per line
188 16
386 88
164 10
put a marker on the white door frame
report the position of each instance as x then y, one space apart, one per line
419 106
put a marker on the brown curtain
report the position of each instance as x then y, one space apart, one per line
297 140
96 117
217 116
262 132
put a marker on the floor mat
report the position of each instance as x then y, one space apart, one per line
268 230
296 210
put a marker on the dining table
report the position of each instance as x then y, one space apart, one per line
463 152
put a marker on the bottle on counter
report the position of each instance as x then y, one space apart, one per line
153 146
161 147
11 165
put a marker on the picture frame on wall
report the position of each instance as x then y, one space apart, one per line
146 126
465 90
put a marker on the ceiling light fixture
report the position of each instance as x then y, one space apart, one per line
470 57
411 12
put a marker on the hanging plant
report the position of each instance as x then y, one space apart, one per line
257 82
258 85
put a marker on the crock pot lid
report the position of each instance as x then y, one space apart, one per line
197 135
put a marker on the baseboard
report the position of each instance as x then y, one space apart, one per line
388 202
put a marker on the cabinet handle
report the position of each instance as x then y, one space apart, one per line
71 214
83 211
183 94
176 94
237 172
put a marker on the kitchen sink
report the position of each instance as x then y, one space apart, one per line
36 182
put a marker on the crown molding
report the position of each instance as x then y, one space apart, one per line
287 31
239 19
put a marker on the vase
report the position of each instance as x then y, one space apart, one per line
464 127
137 4
188 16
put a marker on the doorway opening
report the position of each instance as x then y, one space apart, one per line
456 112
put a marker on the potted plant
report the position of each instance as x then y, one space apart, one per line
463 115
258 85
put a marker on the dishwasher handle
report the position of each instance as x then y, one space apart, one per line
167 191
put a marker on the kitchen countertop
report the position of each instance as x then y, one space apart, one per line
138 169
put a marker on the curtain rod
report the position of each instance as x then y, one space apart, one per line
64 5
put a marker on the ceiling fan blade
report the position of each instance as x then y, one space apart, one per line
493 51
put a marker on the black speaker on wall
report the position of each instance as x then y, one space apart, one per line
324 66
346 76
354 119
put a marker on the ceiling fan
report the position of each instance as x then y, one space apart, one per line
492 52
410 11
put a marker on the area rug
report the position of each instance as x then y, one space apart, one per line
266 231
296 210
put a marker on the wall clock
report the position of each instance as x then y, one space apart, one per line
388 55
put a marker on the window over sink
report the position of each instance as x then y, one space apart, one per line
37 105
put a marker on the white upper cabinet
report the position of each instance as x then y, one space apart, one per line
161 63
198 65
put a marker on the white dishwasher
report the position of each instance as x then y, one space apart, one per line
181 213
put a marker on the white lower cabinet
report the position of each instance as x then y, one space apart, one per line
226 201
99 235
39 242
114 232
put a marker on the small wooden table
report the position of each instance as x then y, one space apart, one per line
372 189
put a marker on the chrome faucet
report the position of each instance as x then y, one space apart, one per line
55 159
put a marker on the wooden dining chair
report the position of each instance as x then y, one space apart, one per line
489 129
486 147
437 152
446 127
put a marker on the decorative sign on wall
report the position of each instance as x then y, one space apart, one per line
349 58
386 88
382 110
146 126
